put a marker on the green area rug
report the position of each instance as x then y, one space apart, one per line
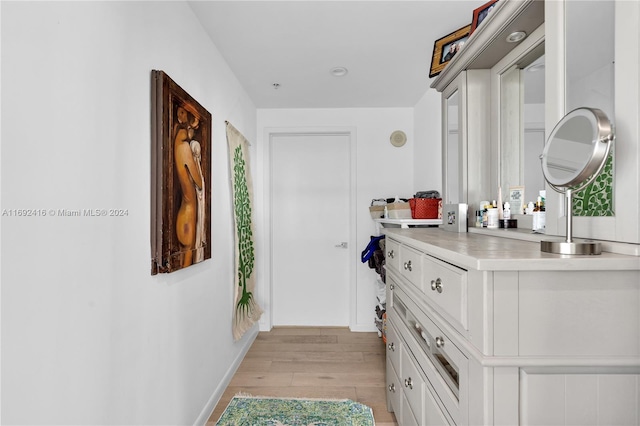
251 410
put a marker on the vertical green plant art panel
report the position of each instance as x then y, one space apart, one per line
597 198
246 311
242 210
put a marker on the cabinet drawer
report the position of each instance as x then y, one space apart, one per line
448 375
442 362
392 254
408 418
391 285
433 415
393 344
394 390
412 384
446 286
411 266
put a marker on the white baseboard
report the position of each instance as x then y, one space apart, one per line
363 328
219 391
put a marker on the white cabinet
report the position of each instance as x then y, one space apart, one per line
410 394
466 148
446 289
560 27
488 330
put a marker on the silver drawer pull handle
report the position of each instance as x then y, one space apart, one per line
392 387
407 265
391 286
391 254
439 342
408 383
392 347
436 285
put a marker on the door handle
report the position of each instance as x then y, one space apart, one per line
342 245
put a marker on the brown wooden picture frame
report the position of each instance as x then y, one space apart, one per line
442 47
480 13
180 178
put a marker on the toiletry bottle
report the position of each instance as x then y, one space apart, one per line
529 209
536 215
506 213
478 218
484 216
492 218
542 221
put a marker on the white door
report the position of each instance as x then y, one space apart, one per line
310 229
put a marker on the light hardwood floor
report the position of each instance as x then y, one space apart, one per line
314 362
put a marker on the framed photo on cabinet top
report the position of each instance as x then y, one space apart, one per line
481 13
445 48
180 177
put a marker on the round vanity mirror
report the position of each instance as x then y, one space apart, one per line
574 155
577 147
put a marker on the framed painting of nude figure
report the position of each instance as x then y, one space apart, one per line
180 177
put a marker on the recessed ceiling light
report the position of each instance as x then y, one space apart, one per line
516 36
276 86
338 71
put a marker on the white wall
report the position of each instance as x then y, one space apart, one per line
382 170
88 335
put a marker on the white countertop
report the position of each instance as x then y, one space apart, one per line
494 253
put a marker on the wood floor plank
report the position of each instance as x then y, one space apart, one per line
299 331
255 365
374 356
323 367
307 356
360 338
313 362
334 331
314 347
339 379
252 378
297 339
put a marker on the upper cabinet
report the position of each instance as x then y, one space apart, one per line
467 81
594 61
488 44
465 142
587 54
518 117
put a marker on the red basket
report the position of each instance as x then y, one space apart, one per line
426 208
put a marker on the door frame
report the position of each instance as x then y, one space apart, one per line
266 322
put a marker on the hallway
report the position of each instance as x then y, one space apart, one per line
314 362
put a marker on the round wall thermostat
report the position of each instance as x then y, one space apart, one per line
398 138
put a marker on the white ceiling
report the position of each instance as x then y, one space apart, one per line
385 45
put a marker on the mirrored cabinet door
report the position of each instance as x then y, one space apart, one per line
590 55
518 104
511 172
522 131
466 105
454 142
595 68
589 82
